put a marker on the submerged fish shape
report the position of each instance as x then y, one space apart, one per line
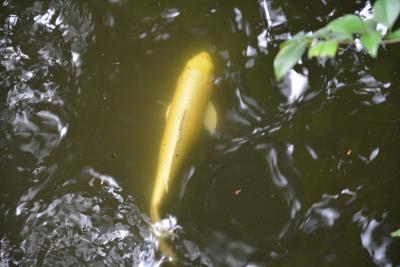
190 107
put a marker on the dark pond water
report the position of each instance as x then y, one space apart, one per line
304 172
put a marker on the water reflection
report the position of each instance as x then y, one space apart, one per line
248 111
32 138
294 87
375 238
273 16
95 224
247 171
227 251
300 173
327 211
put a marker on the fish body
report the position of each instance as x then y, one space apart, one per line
185 118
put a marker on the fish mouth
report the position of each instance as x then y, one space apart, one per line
203 56
201 61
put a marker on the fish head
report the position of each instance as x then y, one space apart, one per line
201 62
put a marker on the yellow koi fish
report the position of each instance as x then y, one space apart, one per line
185 115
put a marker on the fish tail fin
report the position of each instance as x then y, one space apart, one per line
164 247
167 250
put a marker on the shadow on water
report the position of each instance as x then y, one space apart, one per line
304 172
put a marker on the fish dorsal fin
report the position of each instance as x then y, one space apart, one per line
210 118
168 110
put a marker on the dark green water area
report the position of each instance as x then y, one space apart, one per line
301 172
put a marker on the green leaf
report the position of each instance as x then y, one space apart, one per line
386 11
323 49
396 233
371 23
394 35
350 24
296 38
322 33
288 56
371 41
342 36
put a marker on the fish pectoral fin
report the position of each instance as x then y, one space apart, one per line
167 112
210 118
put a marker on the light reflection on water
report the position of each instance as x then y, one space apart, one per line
293 166
72 227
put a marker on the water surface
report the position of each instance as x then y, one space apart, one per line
303 172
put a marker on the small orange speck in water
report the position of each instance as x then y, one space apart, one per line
237 192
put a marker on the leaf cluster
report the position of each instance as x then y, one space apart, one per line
344 30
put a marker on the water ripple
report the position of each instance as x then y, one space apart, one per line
99 227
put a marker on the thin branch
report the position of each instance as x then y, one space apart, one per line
394 41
